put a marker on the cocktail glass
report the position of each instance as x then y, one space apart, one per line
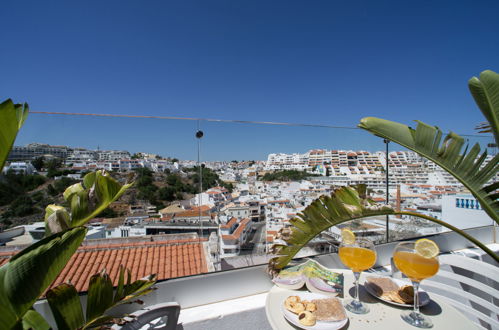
416 267
357 256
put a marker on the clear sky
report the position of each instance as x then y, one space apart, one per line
314 62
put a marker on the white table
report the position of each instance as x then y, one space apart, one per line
381 316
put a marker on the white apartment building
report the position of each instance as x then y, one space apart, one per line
20 168
287 161
81 155
112 154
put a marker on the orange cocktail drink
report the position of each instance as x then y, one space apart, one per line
417 260
358 254
414 266
357 258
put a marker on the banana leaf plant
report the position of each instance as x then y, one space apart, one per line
29 273
66 307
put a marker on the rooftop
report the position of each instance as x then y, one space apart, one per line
169 258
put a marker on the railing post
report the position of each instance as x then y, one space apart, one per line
386 141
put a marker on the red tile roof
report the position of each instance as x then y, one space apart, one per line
239 230
167 259
229 224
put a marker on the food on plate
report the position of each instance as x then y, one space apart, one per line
382 285
311 311
309 306
294 304
307 318
393 296
406 293
387 289
329 309
291 300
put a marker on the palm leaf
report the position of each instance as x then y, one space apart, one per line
64 302
100 295
485 91
34 321
66 306
12 117
28 274
344 204
469 168
127 291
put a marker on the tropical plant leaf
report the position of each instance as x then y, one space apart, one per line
343 205
468 167
86 200
28 274
66 306
100 321
33 320
56 219
100 295
12 117
485 91
64 302
8 315
100 190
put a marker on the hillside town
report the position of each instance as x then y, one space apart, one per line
236 227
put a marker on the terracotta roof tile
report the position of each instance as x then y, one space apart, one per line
167 259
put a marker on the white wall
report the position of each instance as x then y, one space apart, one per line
463 217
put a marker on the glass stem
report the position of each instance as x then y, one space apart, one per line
357 276
415 285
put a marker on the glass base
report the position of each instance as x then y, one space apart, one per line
356 307
417 319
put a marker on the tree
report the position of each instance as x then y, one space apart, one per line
38 163
53 166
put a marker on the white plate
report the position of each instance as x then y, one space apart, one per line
319 325
424 299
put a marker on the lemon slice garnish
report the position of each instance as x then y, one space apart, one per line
347 236
426 248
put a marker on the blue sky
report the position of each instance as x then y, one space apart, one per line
320 62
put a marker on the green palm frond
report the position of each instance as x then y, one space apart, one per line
12 117
68 311
483 127
485 91
344 204
468 167
28 274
